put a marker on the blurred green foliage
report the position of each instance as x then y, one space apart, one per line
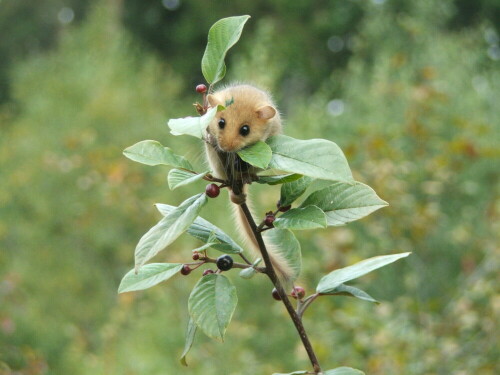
411 100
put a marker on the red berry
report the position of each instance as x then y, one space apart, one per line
201 88
212 190
196 256
298 292
207 272
185 270
276 295
269 219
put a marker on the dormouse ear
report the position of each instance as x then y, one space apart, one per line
213 101
266 113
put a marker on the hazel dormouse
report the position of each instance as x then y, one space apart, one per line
250 115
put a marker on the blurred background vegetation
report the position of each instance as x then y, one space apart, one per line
408 89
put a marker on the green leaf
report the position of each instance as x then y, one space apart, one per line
222 36
345 202
331 281
344 371
148 276
190 333
259 154
194 126
179 177
289 248
316 158
154 153
350 291
290 191
212 303
168 229
293 373
204 231
301 218
280 179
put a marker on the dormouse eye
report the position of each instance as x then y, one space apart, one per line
222 123
244 130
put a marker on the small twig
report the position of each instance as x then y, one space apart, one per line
245 258
296 319
305 304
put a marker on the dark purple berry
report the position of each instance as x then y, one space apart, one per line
201 89
298 292
269 220
212 190
283 208
185 270
196 256
276 295
207 272
224 262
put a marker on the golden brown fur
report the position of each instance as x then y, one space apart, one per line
244 105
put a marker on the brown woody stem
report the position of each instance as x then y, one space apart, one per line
296 319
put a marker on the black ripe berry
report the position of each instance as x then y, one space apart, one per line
185 270
207 272
224 262
212 190
201 89
269 220
298 292
276 295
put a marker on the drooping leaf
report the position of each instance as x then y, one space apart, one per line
212 303
280 179
222 36
178 177
154 153
335 278
317 158
345 202
148 276
309 217
344 371
190 334
194 126
259 154
290 191
350 291
204 231
168 229
289 248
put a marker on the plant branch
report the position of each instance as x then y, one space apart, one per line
296 319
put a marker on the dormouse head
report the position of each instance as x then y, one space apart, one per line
249 117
